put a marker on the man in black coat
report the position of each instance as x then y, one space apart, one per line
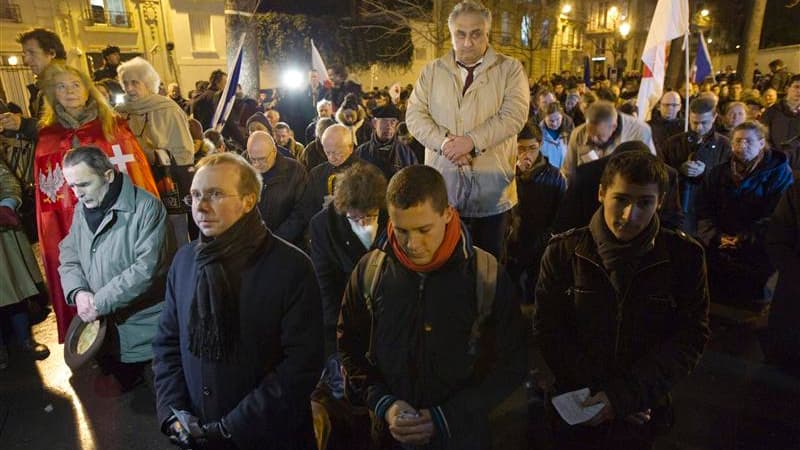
383 149
694 153
324 109
412 352
666 120
580 202
111 59
239 345
540 188
338 144
204 106
284 183
783 121
622 309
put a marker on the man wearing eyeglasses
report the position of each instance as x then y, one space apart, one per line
666 120
284 183
239 345
114 260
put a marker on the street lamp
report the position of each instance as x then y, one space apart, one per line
624 29
566 9
704 12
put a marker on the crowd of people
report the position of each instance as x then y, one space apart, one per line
395 255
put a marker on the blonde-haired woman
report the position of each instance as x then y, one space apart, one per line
75 114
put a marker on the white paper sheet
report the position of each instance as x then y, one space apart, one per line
569 406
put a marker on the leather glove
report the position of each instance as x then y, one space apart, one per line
214 432
8 217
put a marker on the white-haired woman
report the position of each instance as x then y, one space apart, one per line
159 124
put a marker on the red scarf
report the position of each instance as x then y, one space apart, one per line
452 235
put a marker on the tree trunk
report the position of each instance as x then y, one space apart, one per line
235 26
675 62
752 40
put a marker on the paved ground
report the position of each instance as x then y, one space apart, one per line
731 402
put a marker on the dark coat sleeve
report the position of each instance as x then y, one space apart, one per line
353 334
293 379
671 213
782 238
293 227
329 276
706 207
506 371
653 376
569 209
554 321
170 384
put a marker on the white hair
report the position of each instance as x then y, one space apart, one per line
324 102
139 69
473 7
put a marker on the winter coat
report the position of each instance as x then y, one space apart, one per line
421 337
389 156
124 263
636 346
204 106
579 148
159 123
663 130
491 112
539 197
321 185
554 149
580 202
783 247
282 193
19 273
335 251
784 132
313 155
264 399
744 210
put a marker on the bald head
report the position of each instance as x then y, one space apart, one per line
337 141
261 150
670 105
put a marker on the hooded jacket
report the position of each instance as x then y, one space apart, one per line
491 112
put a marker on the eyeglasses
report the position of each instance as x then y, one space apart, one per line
214 197
672 105
259 160
363 220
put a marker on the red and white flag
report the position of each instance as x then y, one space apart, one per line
670 21
318 64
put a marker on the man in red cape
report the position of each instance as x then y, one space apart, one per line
55 201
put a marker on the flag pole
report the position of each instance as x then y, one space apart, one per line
688 83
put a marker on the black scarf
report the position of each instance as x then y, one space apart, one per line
621 258
214 317
94 216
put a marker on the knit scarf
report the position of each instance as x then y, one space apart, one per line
87 114
742 169
452 235
214 314
621 258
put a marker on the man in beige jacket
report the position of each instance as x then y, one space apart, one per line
467 108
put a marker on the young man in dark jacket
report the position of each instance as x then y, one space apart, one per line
783 121
734 205
425 355
540 188
622 309
694 153
239 345
284 183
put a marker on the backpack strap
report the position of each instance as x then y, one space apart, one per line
485 289
372 276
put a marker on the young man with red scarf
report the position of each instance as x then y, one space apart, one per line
407 341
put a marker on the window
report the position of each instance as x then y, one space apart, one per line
525 31
505 28
200 27
109 12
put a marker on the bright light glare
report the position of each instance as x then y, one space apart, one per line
566 9
119 99
293 79
710 40
624 29
704 13
13 60
613 12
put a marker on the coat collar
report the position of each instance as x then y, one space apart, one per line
587 249
489 59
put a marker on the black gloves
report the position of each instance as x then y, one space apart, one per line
186 431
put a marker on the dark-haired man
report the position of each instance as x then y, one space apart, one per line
111 59
430 334
622 309
783 121
204 106
39 47
115 258
694 153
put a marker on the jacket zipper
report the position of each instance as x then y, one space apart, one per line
420 362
